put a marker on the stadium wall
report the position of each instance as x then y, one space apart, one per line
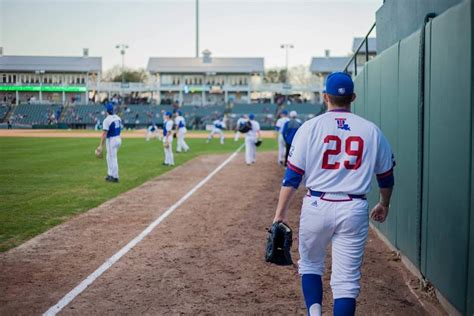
431 221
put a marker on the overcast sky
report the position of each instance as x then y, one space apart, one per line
165 28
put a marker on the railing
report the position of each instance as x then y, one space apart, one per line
353 59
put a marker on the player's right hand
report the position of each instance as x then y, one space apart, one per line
379 213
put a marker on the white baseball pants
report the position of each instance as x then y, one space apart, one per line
237 136
250 150
113 144
281 148
169 158
346 225
181 143
216 131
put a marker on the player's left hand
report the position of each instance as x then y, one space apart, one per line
379 213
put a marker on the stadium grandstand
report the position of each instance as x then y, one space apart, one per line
48 79
207 80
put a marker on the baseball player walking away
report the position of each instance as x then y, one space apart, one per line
111 128
152 131
181 130
281 142
336 154
251 138
168 139
240 122
288 132
218 126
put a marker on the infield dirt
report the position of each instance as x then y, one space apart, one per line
206 258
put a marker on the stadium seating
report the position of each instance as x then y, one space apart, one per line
3 111
83 114
255 108
36 114
142 114
198 116
305 111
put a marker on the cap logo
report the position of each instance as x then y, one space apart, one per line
341 90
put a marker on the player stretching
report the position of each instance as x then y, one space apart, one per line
337 153
281 142
180 124
240 122
218 126
252 136
168 139
111 136
152 131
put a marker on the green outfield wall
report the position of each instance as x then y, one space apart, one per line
431 221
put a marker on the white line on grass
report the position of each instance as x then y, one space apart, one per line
116 257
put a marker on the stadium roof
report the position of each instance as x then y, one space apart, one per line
197 65
372 44
50 64
328 64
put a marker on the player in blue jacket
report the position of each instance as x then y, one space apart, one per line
289 130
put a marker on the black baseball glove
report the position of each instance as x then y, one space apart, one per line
258 142
279 244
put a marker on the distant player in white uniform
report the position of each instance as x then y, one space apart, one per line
251 137
240 122
181 130
152 131
111 128
217 128
168 139
281 142
336 154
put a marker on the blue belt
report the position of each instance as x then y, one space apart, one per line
352 196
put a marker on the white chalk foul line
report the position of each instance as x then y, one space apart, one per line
116 257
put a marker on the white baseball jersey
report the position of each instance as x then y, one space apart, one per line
113 125
280 123
338 152
167 128
219 124
180 121
241 121
255 128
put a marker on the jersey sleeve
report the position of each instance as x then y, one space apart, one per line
384 163
296 164
257 126
106 124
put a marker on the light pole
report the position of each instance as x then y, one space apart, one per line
197 28
286 47
122 48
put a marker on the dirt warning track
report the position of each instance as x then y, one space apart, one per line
205 258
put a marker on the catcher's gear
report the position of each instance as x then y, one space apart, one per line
279 244
258 142
99 153
244 128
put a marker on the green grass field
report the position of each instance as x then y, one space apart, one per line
45 181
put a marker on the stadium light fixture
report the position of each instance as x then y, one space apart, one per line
286 47
123 48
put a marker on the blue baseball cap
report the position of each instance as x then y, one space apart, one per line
109 107
339 84
284 112
169 114
251 116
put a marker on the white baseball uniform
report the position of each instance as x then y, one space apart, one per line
113 126
250 139
240 122
152 131
336 155
168 136
218 126
181 124
281 142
